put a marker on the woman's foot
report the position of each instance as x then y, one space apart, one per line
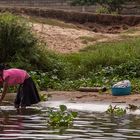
23 107
16 106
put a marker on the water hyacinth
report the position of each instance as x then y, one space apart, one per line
61 117
117 111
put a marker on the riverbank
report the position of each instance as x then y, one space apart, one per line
76 96
92 96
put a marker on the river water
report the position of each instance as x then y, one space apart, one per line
92 123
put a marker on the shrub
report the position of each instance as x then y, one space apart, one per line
16 37
111 5
102 10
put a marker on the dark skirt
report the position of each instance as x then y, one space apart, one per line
27 94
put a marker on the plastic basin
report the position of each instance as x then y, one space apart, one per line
121 91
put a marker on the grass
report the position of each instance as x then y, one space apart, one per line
87 39
106 54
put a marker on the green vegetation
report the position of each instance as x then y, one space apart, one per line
44 97
102 10
86 39
61 117
117 111
16 37
97 65
108 6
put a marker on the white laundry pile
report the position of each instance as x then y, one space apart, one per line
122 84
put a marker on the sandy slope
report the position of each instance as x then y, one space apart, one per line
66 40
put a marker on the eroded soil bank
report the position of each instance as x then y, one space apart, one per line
68 38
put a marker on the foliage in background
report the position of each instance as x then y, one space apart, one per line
97 65
92 65
16 37
20 48
111 5
102 10
61 117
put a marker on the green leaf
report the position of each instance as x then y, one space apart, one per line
74 114
63 108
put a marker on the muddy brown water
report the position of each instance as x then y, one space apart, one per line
92 123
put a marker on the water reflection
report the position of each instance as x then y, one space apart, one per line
31 124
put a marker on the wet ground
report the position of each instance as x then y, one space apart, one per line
77 96
82 97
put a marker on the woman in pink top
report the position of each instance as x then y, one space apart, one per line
27 92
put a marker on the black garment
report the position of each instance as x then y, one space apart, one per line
27 93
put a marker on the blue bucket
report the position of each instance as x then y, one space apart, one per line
120 91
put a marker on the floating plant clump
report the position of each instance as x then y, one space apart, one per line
116 111
61 117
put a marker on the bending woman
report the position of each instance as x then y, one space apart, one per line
27 93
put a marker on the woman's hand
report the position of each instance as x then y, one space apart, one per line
5 87
0 100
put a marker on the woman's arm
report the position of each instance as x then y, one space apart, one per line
5 87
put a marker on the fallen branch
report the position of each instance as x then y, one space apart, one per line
92 89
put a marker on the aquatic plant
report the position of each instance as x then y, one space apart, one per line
117 111
61 117
132 107
43 97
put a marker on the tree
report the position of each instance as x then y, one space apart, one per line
111 5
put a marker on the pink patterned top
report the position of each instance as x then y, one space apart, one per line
15 76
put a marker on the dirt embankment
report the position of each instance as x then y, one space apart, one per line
77 96
111 22
90 28
67 40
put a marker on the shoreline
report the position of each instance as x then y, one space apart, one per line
84 97
78 96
